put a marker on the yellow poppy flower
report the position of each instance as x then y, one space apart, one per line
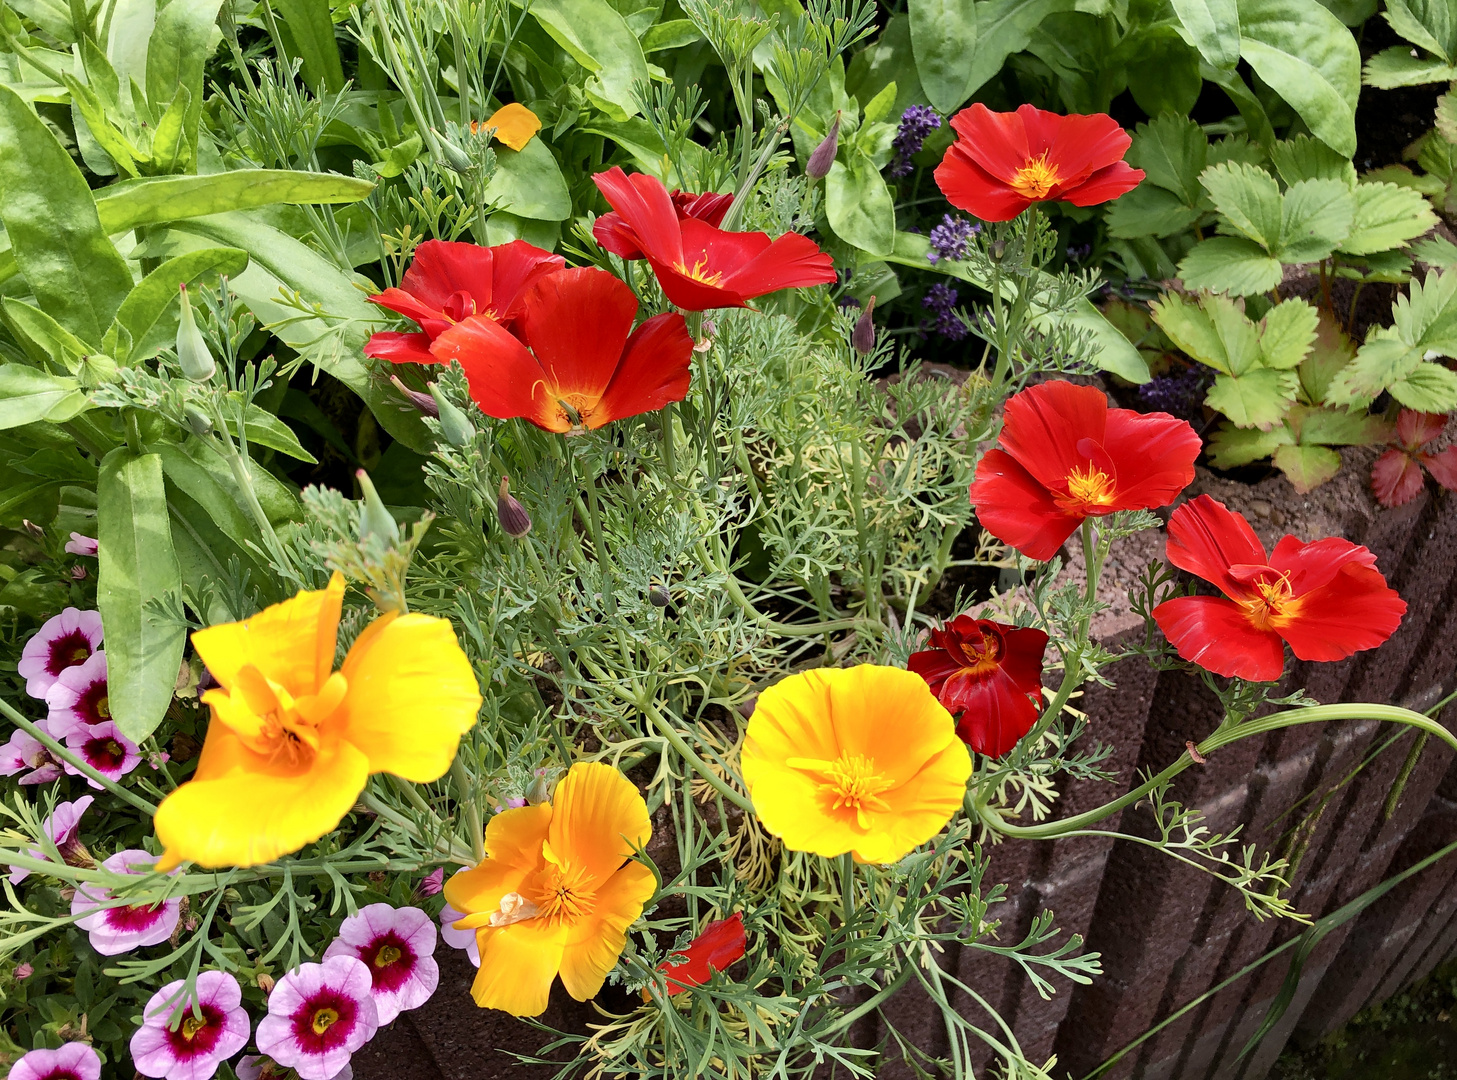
861 759
515 125
292 741
554 894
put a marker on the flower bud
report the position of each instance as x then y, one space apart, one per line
454 424
823 155
997 249
424 402
265 983
192 351
863 336
539 791
455 157
374 518
197 420
32 528
658 594
23 970
515 521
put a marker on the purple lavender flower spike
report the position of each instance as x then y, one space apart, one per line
916 123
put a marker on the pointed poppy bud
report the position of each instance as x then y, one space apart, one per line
863 338
539 791
658 594
192 351
197 420
454 425
455 157
515 521
823 155
423 402
374 518
720 944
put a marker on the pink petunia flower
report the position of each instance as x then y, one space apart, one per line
193 1049
431 884
397 945
105 749
318 1015
120 928
258 1067
78 699
73 1061
81 545
62 827
64 641
458 939
25 751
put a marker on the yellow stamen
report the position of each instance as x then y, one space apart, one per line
323 1020
1088 489
564 896
1035 179
1273 605
191 1026
850 782
386 956
699 272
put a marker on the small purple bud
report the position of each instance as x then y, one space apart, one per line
515 521
818 165
431 884
424 402
863 337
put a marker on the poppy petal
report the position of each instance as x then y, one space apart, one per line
791 262
518 964
1215 634
1016 509
1022 660
614 234
411 307
1311 566
721 943
505 380
598 818
1083 146
935 666
654 370
1396 478
1105 184
690 294
644 204
399 348
518 266
1443 467
514 125
596 942
967 186
995 712
1206 538
441 268
1154 455
576 323
1356 610
1044 425
709 206
997 142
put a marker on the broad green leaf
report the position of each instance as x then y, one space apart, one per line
1387 216
1213 28
42 337
1163 73
502 228
1249 198
1258 399
1230 264
131 203
1437 252
1318 215
137 569
198 484
52 16
889 59
310 26
132 23
1381 361
673 34
1432 24
943 36
265 429
1304 158
1251 109
278 501
1428 387
76 274
1287 332
1333 350
1149 211
1172 150
28 395
1231 447
1310 59
529 183
171 148
179 47
1209 331
1336 427
860 207
1307 467
1396 66
597 37
879 106
1351 12
1004 27
151 311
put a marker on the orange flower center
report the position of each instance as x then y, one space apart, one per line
1087 491
850 783
700 272
564 894
1273 602
1035 179
287 728
576 411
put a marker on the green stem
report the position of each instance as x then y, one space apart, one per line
599 549
465 791
678 743
60 752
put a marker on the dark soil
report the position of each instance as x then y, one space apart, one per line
1388 121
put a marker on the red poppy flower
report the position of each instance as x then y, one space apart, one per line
1064 456
579 364
699 265
1396 476
616 236
1002 163
449 281
719 945
989 672
1325 598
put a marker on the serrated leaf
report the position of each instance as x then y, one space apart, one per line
1396 66
1427 316
1332 351
1335 427
1236 149
1447 116
1387 216
1382 360
1436 251
1214 331
1258 399
1172 151
1287 332
1229 447
1149 211
1428 387
1304 158
1307 467
1230 264
1317 217
1248 198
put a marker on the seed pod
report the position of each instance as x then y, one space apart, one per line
374 518
658 595
197 420
515 521
823 155
424 402
863 337
192 351
454 424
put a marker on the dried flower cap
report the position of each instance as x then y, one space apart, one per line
863 336
514 520
425 403
823 155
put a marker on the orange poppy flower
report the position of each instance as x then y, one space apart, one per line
578 364
1325 598
698 265
449 281
513 125
1002 163
1064 456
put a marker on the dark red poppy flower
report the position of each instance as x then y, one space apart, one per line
1064 456
699 265
1002 163
991 674
1325 598
616 236
449 281
1396 476
719 945
578 363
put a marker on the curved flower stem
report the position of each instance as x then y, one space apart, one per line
59 751
1223 736
882 995
470 798
678 743
759 619
847 888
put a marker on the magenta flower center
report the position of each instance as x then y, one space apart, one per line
130 918
196 1037
390 960
105 754
325 1021
68 650
93 706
